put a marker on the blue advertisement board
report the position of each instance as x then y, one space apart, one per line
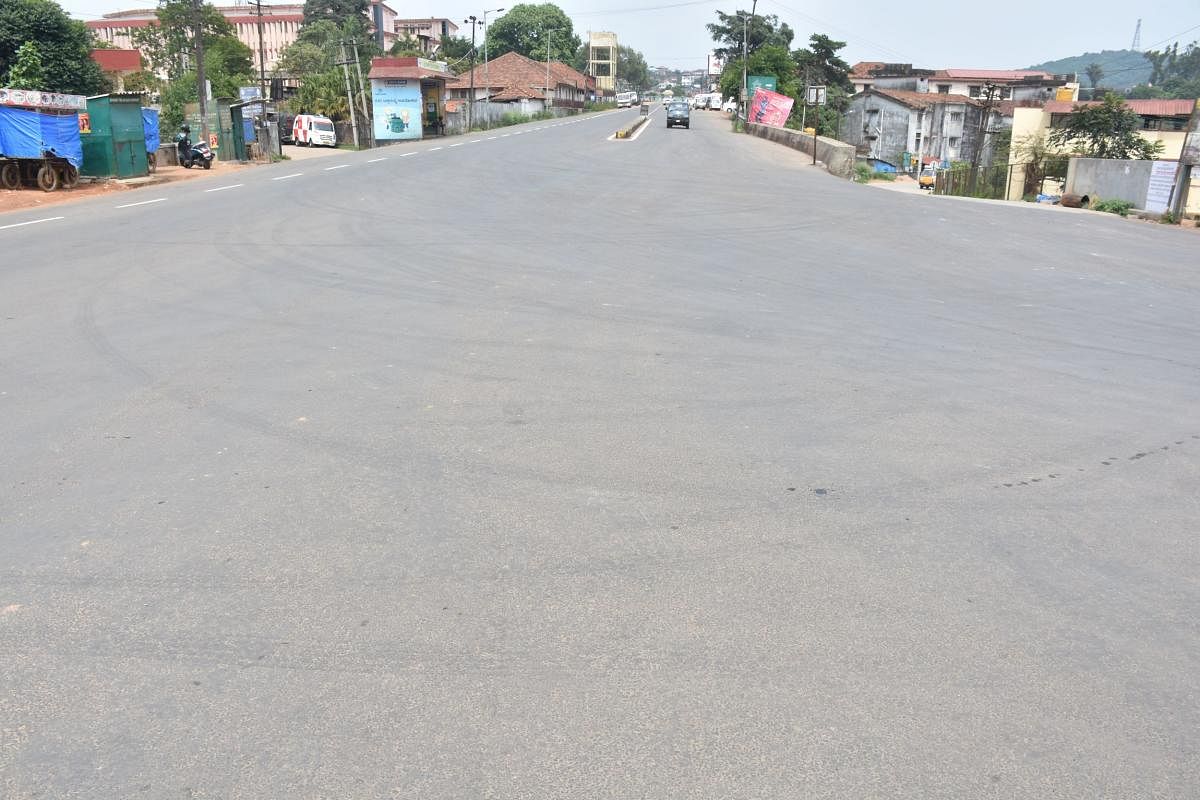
397 106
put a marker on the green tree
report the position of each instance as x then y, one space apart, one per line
26 71
632 70
761 30
1095 74
339 11
63 45
822 65
169 45
527 28
1108 129
455 48
312 60
406 46
1176 74
770 60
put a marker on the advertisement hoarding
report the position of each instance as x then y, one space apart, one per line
760 82
396 103
30 98
770 108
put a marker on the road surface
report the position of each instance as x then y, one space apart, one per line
534 464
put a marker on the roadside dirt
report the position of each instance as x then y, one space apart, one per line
27 198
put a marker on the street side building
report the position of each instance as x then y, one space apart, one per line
1161 121
516 79
1018 85
897 126
429 32
118 64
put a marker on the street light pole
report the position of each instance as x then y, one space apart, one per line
746 60
487 118
549 99
471 20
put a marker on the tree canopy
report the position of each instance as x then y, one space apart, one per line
527 28
762 30
1108 129
1172 74
821 63
63 46
338 11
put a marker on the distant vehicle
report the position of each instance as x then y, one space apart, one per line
678 113
927 178
667 97
730 106
311 130
714 102
626 99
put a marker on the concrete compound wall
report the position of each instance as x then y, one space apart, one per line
1109 179
838 157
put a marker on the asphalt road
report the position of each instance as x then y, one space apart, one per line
542 465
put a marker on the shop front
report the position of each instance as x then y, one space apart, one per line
406 98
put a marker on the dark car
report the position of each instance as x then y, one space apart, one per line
678 113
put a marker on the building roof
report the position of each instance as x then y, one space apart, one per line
117 60
517 93
513 71
409 67
1147 108
922 100
864 69
992 74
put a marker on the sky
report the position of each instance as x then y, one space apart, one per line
980 35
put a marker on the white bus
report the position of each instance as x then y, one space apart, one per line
627 99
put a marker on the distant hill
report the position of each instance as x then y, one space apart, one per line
1122 68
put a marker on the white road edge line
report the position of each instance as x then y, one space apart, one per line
30 222
458 144
434 148
373 160
475 141
406 155
223 188
490 138
339 166
144 202
285 177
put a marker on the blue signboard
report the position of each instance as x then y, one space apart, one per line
397 108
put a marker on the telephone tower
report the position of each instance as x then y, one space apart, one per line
1137 37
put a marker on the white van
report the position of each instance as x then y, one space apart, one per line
626 99
311 130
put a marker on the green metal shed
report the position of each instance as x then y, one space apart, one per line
115 145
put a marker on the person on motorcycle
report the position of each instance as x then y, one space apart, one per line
183 141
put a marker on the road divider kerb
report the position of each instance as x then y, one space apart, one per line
628 133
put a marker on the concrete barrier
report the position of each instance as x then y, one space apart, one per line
838 157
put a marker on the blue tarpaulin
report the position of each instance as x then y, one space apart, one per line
150 127
30 134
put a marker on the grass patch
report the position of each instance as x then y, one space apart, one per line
1118 207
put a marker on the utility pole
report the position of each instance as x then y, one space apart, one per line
349 92
549 97
471 20
984 119
262 62
362 92
746 60
487 116
804 105
1189 156
201 83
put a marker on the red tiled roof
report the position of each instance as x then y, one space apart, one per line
922 100
117 24
517 93
991 74
117 60
513 70
403 67
268 17
863 69
1147 108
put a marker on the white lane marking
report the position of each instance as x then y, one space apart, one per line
434 148
475 141
285 177
339 166
30 222
374 160
490 138
517 133
144 202
459 144
505 135
406 155
223 188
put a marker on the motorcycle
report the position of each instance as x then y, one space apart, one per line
198 154
190 155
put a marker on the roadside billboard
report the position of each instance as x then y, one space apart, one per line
770 108
760 82
396 103
715 65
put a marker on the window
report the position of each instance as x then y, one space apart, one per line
974 91
943 88
956 116
1005 92
953 142
601 54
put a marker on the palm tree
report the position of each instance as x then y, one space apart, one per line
1095 74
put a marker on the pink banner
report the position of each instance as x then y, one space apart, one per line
770 108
